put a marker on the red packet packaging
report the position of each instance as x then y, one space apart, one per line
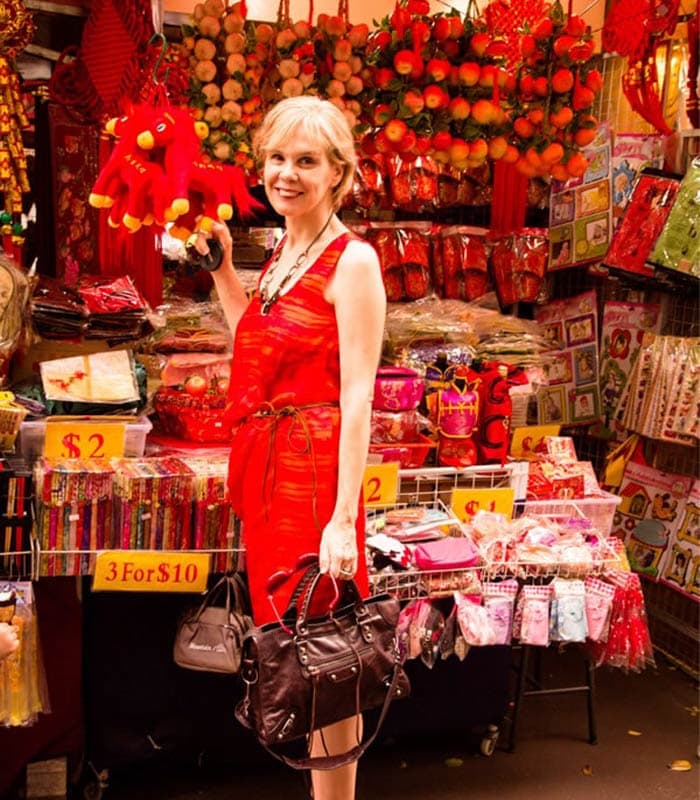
368 188
519 262
404 256
414 184
464 261
548 480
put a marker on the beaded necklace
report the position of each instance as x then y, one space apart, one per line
268 300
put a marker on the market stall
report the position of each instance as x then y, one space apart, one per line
528 186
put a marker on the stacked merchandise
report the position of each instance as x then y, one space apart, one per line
212 517
97 309
152 498
116 309
88 505
74 513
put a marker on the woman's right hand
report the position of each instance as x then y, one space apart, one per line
220 231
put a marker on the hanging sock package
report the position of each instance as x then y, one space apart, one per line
499 600
567 618
473 620
534 628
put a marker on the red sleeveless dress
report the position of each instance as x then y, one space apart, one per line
284 406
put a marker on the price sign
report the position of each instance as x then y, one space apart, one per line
84 438
466 502
530 440
381 484
137 571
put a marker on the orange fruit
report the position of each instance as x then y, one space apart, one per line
576 165
552 154
559 172
561 118
524 167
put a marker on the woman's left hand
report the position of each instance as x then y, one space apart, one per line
338 551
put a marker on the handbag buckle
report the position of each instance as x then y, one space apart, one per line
249 673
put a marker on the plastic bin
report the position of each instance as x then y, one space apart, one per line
32 433
599 509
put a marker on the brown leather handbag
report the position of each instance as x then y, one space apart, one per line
209 637
302 673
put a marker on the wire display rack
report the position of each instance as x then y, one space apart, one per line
437 483
432 488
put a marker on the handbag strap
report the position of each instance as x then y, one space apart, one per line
240 593
232 585
342 759
349 589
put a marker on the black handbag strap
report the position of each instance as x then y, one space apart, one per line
343 759
349 590
231 584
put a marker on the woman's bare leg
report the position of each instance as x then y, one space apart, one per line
336 784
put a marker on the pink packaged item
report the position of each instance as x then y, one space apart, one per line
599 601
473 620
397 389
452 552
534 628
499 599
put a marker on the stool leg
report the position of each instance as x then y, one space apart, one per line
522 676
590 695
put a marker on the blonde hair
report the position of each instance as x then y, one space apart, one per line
320 120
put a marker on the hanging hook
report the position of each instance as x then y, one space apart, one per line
163 49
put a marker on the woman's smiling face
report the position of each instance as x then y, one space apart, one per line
299 177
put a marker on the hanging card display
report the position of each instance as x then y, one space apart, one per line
652 198
632 152
680 566
663 391
678 245
652 507
622 329
572 396
580 210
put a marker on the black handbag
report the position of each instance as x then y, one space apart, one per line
209 637
302 673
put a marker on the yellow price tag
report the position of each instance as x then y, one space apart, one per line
466 502
149 571
381 484
84 438
527 441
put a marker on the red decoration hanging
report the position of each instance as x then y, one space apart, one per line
634 29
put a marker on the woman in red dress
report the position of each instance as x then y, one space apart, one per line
306 350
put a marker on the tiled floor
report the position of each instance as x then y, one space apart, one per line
645 721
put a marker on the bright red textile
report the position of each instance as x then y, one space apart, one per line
283 471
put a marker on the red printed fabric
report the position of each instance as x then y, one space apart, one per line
283 471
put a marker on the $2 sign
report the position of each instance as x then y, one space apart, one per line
83 439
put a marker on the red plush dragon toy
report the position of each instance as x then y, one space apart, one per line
157 173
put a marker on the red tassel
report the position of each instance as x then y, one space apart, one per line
311 12
243 9
509 203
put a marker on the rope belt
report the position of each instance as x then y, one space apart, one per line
276 417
